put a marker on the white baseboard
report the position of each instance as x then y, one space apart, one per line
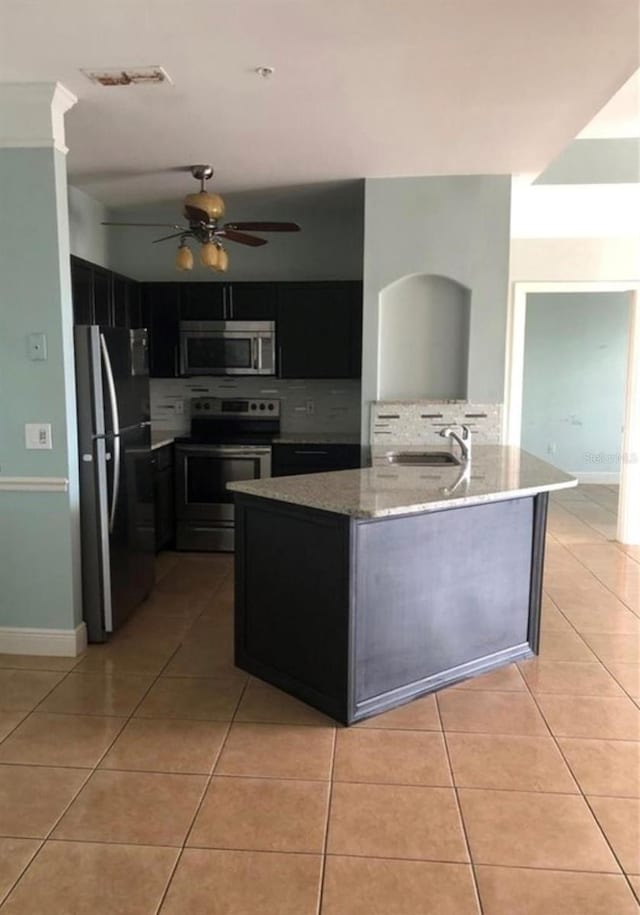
59 643
602 478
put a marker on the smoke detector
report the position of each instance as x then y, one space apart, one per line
128 76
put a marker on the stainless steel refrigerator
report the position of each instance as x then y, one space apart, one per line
116 479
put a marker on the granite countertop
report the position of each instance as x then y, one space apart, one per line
498 472
160 438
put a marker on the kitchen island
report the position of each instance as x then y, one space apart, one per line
358 590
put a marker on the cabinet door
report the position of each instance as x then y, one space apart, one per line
120 301
82 292
163 492
252 301
317 330
160 302
102 297
202 301
135 304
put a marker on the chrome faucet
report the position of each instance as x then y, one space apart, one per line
464 440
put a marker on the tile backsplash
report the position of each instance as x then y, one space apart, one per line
317 406
414 422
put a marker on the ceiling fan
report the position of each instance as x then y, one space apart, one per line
203 212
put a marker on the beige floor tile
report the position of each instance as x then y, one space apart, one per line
60 740
262 814
419 715
15 854
396 821
634 880
617 619
518 891
9 721
564 646
37 662
70 877
167 745
202 699
391 757
620 820
519 829
627 675
277 751
33 798
571 678
370 886
204 660
504 678
139 808
97 694
263 703
210 882
22 690
606 767
553 620
129 656
490 713
508 762
610 646
603 717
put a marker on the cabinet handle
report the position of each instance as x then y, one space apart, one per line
175 361
230 291
311 452
280 366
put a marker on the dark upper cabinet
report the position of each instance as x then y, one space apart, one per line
202 301
319 330
82 292
161 315
102 298
252 301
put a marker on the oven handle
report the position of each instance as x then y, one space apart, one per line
222 450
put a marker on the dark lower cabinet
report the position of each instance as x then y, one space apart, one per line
289 459
163 497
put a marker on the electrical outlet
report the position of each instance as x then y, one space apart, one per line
551 448
178 407
311 407
37 436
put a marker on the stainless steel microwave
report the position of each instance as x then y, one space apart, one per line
227 348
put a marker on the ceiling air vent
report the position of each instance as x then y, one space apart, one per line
130 76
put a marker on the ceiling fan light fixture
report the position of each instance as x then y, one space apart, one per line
209 256
223 260
211 204
184 257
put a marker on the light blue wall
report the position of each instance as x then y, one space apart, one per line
574 379
39 572
329 247
612 160
456 227
87 237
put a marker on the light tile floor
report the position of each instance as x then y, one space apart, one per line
151 776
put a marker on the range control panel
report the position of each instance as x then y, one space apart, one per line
222 406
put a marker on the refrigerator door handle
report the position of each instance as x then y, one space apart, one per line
115 418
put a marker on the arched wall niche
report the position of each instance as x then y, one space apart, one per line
423 343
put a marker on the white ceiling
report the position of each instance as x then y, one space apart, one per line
620 117
362 87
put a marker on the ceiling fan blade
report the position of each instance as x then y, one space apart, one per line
241 238
195 214
152 225
167 237
264 226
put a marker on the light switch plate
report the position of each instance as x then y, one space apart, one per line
38 436
37 344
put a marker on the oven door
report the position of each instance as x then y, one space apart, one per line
202 474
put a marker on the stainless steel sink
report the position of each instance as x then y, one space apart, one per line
422 458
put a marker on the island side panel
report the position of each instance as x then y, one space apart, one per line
292 600
440 596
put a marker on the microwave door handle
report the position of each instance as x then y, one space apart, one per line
254 353
259 360
115 420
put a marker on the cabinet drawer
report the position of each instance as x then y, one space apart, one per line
289 459
164 457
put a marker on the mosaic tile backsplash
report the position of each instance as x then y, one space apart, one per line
420 421
316 406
